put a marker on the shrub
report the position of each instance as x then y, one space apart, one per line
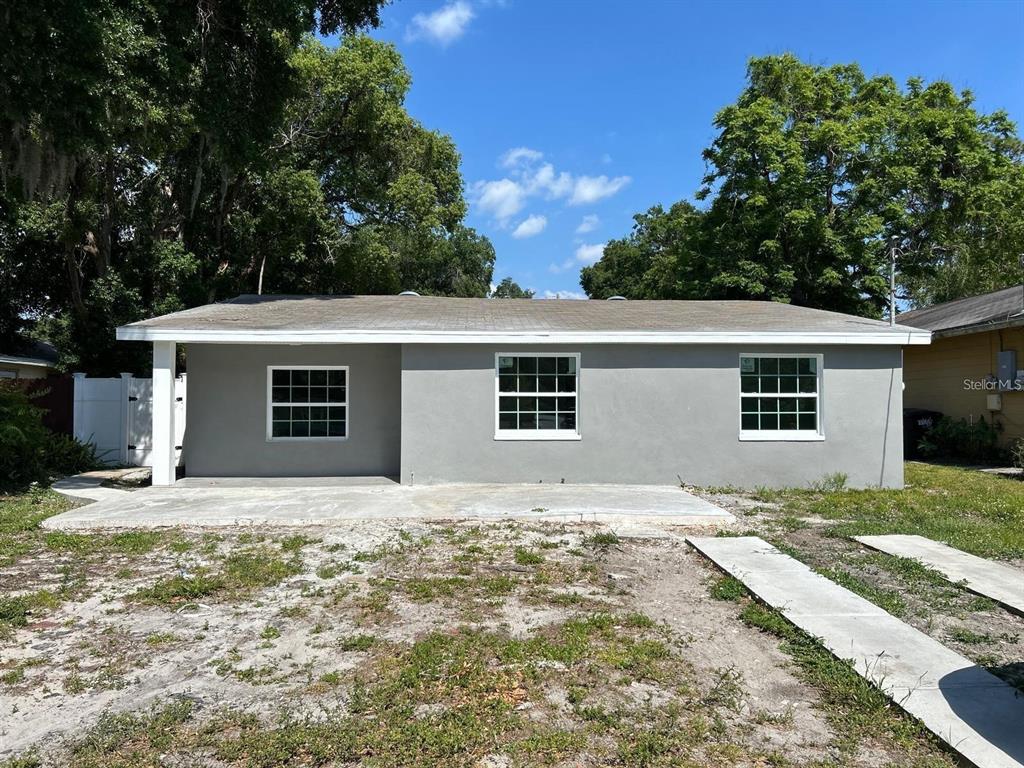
29 452
1017 452
959 440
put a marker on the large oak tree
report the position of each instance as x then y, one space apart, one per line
156 156
813 173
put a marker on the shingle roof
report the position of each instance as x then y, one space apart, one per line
432 318
38 353
450 314
970 315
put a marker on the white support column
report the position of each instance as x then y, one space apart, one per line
164 353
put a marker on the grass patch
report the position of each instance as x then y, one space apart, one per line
885 599
728 588
244 572
525 556
602 541
360 642
20 516
968 637
973 511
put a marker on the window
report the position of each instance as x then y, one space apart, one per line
309 403
537 397
780 397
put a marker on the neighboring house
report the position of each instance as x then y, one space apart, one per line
973 367
36 360
439 390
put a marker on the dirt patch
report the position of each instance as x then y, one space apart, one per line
567 644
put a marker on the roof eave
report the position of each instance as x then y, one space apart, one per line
1017 321
36 362
899 337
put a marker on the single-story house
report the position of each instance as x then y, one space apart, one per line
975 365
33 360
441 390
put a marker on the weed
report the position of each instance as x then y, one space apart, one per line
602 541
968 637
728 588
830 483
528 557
356 643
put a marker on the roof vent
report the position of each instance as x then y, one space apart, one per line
616 298
408 293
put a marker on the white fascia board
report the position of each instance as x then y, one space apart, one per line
34 362
228 336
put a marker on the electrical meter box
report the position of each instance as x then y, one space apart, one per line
1007 373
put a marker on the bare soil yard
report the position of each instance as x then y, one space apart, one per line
374 644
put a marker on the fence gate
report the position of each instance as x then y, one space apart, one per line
116 417
140 420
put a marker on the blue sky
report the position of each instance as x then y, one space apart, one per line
573 116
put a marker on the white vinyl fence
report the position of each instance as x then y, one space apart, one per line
116 417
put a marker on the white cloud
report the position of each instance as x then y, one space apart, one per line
530 226
585 255
565 295
443 26
529 177
588 254
589 224
502 199
590 189
520 156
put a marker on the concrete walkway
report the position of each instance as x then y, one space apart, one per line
315 501
973 711
88 486
997 581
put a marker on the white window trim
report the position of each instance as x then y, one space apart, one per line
307 439
536 434
783 435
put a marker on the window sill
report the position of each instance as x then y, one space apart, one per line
307 439
782 437
542 435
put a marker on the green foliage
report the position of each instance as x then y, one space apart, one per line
956 439
154 158
729 589
812 172
510 289
29 452
1017 452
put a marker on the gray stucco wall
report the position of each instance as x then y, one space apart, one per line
226 433
650 414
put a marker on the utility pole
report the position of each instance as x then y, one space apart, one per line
892 279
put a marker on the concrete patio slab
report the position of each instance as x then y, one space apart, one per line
997 581
207 502
974 712
89 486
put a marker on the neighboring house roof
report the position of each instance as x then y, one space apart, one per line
433 319
990 311
35 353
